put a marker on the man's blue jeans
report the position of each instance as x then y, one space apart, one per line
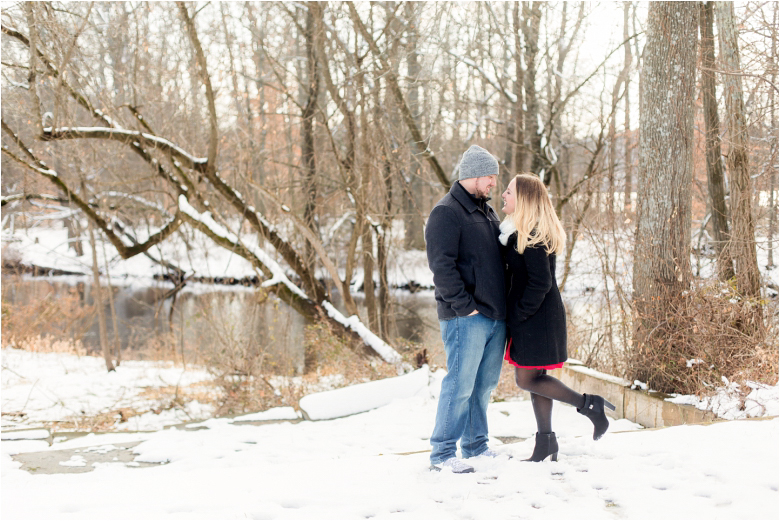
475 353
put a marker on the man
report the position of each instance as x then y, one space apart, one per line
463 253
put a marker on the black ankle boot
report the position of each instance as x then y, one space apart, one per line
546 445
594 410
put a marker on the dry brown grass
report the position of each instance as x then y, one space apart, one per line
48 344
64 317
326 354
712 324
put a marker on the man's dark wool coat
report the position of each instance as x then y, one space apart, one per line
536 319
461 239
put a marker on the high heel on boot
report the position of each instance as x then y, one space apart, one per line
546 445
594 411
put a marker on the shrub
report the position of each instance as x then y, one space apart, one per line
705 335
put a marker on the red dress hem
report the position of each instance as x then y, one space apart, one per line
509 359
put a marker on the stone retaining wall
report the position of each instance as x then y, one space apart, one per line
648 409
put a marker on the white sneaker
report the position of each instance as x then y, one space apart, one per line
490 453
456 465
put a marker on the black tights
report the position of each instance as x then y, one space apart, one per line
544 389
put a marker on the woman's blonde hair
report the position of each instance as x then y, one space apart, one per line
534 216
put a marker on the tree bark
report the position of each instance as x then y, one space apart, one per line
309 112
32 78
742 244
98 298
620 83
413 225
774 151
629 167
392 82
203 72
519 113
662 269
715 186
532 15
117 350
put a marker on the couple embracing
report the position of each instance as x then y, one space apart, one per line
497 299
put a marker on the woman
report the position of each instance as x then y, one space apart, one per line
532 237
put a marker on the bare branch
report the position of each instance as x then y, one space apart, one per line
206 79
392 80
40 168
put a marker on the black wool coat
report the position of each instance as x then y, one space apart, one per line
461 240
536 319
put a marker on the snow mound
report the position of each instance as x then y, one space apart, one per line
277 413
363 397
36 434
727 402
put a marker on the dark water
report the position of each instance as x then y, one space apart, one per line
202 319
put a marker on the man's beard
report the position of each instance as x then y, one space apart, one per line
484 193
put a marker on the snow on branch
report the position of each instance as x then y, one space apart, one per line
41 168
138 199
84 102
387 353
19 197
272 267
117 134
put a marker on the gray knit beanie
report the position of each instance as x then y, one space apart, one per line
477 162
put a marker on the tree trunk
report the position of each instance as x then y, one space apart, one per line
32 78
258 42
662 269
716 189
742 244
99 302
307 130
386 318
773 157
620 83
363 203
629 167
518 113
532 17
413 226
73 226
117 348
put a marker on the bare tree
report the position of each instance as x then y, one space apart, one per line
627 141
773 152
715 186
532 16
742 243
98 299
622 82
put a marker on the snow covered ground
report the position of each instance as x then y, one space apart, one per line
375 464
54 387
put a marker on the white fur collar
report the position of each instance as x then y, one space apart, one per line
507 228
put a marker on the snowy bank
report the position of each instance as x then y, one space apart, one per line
363 397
